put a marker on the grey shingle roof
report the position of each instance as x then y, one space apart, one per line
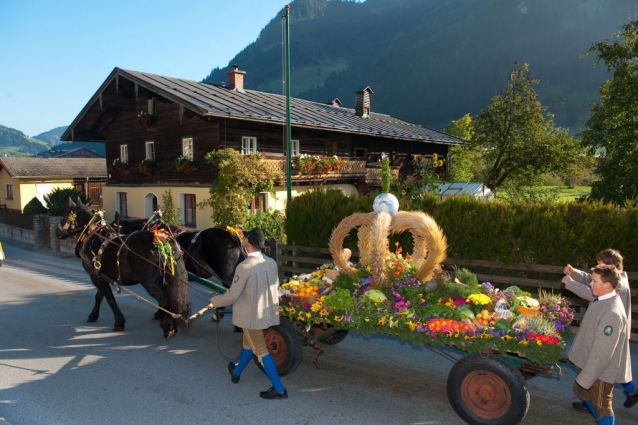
219 101
54 167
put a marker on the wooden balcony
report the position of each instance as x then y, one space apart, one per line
356 170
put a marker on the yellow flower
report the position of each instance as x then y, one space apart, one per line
507 337
412 326
281 309
368 268
308 315
382 321
291 310
486 336
523 343
316 320
338 318
479 299
324 313
539 343
316 307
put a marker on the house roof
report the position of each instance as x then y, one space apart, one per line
54 167
219 101
70 153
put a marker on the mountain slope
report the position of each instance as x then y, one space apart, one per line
52 137
15 143
431 61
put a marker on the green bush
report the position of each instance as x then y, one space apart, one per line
271 222
34 207
58 200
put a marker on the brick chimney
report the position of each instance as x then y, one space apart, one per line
362 104
236 79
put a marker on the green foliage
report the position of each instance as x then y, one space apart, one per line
239 178
518 137
271 222
345 281
467 277
341 299
170 214
311 217
57 202
34 206
611 126
386 175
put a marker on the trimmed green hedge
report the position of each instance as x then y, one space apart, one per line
554 234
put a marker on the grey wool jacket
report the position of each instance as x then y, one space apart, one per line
253 294
601 347
581 280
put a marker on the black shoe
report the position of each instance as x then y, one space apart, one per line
231 369
581 406
632 398
271 393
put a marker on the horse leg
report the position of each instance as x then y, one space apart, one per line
156 291
105 289
157 315
95 313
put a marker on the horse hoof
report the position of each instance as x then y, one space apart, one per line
156 316
118 328
169 334
91 318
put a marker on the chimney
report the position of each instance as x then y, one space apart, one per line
362 104
334 102
236 79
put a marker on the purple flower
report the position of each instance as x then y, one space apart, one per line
488 286
558 325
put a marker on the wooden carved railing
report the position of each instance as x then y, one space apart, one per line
351 169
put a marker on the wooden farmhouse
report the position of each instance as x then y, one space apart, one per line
154 120
25 178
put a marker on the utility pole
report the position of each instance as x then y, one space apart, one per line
287 90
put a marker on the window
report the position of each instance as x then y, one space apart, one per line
9 191
259 204
190 210
248 145
152 106
361 153
150 150
121 204
187 148
295 148
124 153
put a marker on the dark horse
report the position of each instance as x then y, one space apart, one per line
212 251
109 258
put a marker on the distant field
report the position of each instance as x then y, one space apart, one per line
569 194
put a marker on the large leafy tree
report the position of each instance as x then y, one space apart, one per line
518 138
466 162
612 128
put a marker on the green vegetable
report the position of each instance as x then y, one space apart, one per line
375 296
341 299
502 325
465 314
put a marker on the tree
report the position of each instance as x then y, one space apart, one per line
57 202
466 163
517 136
239 178
170 214
612 127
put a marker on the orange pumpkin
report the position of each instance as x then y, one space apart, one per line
527 311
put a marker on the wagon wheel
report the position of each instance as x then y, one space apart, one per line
487 391
284 344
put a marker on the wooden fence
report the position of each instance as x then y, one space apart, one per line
294 259
16 218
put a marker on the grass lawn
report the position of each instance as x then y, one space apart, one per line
569 194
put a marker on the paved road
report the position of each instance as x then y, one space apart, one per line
57 369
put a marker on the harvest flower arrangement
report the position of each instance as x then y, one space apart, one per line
465 315
164 250
307 164
235 232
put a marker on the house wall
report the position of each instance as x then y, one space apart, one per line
4 180
29 189
136 199
26 189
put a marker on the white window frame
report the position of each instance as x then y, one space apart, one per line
248 145
118 203
151 106
295 151
8 190
187 148
182 209
124 153
149 148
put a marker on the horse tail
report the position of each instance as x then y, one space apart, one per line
179 299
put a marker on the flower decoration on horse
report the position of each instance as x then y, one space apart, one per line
235 232
164 250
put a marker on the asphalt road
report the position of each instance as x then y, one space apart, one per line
57 369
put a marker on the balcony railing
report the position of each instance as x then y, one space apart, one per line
351 169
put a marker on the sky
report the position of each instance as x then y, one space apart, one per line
54 55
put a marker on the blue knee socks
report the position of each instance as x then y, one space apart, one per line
244 358
591 408
607 420
271 370
629 387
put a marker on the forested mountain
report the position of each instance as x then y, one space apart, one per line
52 137
431 61
15 143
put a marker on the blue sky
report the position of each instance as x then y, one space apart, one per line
54 55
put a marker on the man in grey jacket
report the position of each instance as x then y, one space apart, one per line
601 347
256 307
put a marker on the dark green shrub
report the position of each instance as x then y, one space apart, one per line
34 207
271 222
58 200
